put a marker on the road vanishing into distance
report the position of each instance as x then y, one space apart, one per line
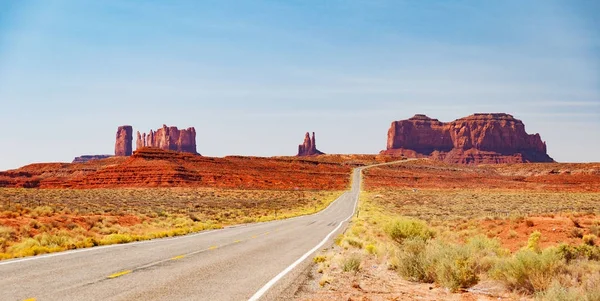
250 262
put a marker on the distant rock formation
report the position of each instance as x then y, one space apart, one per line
169 138
309 147
86 158
123 145
476 139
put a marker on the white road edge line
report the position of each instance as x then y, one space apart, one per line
272 282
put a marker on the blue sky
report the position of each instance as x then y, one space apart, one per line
253 76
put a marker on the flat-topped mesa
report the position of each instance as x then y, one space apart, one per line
124 139
169 138
479 138
309 147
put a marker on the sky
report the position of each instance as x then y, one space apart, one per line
253 76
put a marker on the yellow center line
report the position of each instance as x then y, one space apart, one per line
254 236
119 274
30 299
178 257
237 241
213 247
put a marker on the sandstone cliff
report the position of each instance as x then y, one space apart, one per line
169 138
309 147
123 145
476 139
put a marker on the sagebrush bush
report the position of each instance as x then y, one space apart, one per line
412 261
529 271
454 266
402 229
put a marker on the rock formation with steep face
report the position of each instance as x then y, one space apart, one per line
309 147
169 138
123 145
479 138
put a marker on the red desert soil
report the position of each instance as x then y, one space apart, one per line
151 167
524 176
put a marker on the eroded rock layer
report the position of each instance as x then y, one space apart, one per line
153 167
476 139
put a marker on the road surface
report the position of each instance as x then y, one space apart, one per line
251 262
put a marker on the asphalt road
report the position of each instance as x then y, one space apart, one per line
251 262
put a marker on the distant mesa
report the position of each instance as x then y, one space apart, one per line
477 139
87 158
124 140
309 147
169 138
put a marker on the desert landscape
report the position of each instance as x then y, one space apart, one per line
461 210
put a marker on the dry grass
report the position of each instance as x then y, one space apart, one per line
34 221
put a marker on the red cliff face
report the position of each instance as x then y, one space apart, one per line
479 138
123 145
169 138
309 147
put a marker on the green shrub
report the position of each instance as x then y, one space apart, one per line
403 229
528 271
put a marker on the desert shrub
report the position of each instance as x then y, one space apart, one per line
557 292
586 291
454 266
338 240
42 211
412 261
590 239
529 271
354 242
576 233
371 249
583 251
319 258
403 229
116 239
533 243
595 229
351 263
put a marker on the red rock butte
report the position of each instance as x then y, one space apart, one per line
309 147
476 139
124 140
169 138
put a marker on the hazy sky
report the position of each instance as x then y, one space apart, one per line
254 76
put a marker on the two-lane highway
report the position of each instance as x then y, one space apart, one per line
250 262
